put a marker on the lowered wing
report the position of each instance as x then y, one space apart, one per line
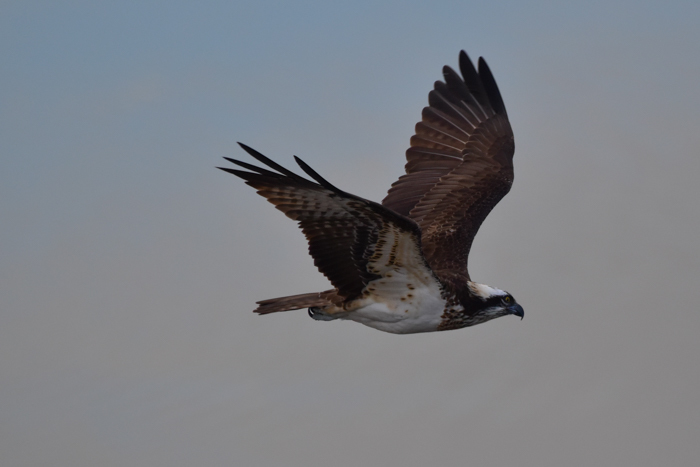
346 234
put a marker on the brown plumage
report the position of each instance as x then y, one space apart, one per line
460 165
401 266
342 229
292 302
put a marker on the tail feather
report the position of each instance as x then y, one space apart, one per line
292 302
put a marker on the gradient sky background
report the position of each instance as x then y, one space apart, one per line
130 265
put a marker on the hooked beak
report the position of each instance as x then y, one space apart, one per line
517 310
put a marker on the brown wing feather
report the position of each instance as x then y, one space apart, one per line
342 229
460 165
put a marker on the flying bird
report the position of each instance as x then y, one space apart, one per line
401 266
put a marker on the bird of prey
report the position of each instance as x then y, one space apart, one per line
401 266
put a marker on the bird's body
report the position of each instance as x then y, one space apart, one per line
401 266
406 298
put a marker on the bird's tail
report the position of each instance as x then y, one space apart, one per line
292 302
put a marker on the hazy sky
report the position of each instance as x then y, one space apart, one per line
129 265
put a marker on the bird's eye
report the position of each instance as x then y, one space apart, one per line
507 300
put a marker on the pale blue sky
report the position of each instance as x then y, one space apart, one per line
130 265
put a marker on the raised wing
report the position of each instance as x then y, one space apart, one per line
460 165
343 230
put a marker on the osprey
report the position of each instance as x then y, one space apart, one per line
401 266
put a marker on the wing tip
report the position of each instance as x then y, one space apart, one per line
315 175
492 92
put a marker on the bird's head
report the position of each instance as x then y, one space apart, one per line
495 302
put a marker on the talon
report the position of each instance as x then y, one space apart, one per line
318 314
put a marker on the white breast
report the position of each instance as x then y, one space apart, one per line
406 298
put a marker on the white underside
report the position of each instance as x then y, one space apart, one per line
424 314
406 298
